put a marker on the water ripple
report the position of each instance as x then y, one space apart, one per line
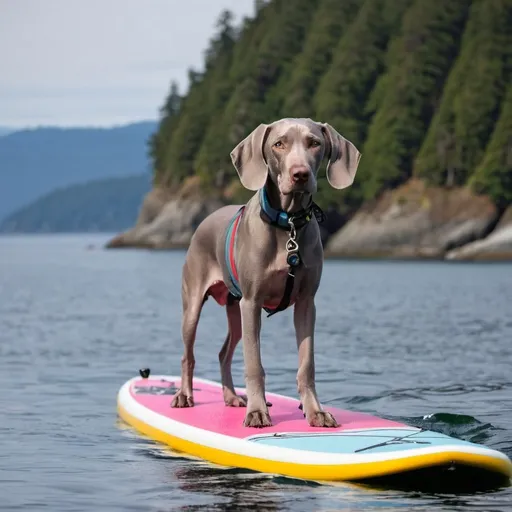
423 343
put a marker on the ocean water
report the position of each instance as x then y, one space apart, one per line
427 343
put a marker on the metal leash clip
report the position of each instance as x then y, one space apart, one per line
292 247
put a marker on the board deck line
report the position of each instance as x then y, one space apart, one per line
243 452
306 471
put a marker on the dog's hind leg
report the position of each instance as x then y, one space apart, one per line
226 354
193 300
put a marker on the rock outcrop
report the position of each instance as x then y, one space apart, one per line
166 220
415 221
496 246
412 221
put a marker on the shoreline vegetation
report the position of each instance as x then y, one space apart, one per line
423 89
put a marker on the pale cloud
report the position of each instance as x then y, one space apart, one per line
99 62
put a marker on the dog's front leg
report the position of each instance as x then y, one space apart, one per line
304 318
257 412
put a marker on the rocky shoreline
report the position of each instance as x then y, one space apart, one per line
411 222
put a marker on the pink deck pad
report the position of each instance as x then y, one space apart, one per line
210 412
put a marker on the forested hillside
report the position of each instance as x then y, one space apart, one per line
101 205
422 87
36 161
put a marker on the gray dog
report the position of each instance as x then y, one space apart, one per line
267 255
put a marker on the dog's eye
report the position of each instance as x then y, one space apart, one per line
314 144
278 144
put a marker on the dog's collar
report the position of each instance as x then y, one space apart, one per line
281 219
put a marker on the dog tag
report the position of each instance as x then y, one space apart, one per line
292 246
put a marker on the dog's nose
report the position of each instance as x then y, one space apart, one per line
300 174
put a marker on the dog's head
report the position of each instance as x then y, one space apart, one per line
290 151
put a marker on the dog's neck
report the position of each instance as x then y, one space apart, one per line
289 203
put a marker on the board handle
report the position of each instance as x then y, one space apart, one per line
144 372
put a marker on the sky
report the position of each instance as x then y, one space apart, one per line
99 62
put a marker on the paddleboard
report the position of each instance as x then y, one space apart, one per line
363 447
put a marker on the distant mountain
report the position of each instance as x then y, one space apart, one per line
103 205
36 161
4 130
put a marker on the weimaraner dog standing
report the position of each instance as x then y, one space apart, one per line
265 254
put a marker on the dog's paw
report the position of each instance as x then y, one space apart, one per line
232 400
181 400
257 419
322 419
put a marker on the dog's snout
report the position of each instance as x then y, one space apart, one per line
300 174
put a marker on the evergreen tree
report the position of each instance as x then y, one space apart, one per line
253 99
159 141
494 174
418 62
207 94
330 21
223 42
212 161
407 81
282 44
171 105
258 5
186 133
356 65
459 132
345 88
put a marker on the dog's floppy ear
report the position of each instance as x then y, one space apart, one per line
249 160
343 158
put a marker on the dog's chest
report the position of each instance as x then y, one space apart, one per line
276 276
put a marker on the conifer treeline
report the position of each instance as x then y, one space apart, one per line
422 87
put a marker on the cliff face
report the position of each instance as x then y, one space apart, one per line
496 246
421 88
167 220
415 221
412 221
171 228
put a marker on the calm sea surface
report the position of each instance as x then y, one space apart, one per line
402 340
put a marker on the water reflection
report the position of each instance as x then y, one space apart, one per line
392 339
237 489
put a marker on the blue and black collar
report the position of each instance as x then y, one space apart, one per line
280 218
